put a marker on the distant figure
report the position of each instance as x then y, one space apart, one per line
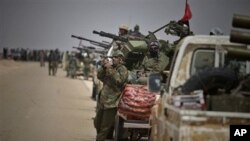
42 57
65 60
72 66
57 59
87 65
53 59
5 53
136 32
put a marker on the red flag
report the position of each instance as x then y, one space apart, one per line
188 14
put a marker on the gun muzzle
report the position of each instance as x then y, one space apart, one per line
73 36
77 37
240 36
241 21
96 32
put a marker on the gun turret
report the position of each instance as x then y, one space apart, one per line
112 36
242 33
103 45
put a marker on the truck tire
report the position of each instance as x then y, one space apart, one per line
210 80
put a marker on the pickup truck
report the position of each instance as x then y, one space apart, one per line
207 91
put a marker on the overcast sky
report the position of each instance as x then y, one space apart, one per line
48 24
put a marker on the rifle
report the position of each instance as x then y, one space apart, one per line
241 34
112 36
103 45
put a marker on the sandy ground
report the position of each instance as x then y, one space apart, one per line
38 107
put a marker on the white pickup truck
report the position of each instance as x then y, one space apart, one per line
208 90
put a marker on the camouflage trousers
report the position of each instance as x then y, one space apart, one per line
86 72
52 68
104 123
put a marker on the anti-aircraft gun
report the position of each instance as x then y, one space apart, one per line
133 49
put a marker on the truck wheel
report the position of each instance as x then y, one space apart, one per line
118 127
210 80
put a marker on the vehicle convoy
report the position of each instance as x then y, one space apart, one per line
208 88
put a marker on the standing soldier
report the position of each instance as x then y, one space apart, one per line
65 60
5 53
114 76
72 66
53 58
42 57
50 60
87 65
57 60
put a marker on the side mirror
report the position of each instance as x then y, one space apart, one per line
154 82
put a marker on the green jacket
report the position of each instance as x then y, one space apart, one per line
87 61
155 64
113 81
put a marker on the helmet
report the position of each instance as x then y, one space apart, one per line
118 53
124 27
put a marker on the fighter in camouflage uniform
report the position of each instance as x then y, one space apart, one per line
87 62
114 77
154 61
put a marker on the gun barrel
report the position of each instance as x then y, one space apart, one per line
240 36
78 37
241 21
100 45
96 32
106 46
79 48
109 35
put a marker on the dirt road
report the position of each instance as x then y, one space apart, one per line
38 107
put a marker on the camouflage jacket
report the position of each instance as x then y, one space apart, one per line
87 61
113 81
155 64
